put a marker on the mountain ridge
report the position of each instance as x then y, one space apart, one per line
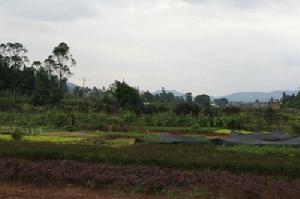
256 95
246 97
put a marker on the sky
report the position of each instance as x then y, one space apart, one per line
214 47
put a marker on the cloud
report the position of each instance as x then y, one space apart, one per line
49 10
205 46
242 3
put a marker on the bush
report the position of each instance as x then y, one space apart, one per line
295 126
58 119
17 135
96 140
233 124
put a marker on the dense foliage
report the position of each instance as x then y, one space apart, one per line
71 116
44 82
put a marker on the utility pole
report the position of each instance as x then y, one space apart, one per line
83 82
83 86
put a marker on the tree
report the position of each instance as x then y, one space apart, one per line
61 60
127 96
15 54
27 81
96 94
221 102
170 97
46 85
108 103
187 108
284 97
165 97
203 100
189 98
147 97
234 124
4 74
46 88
78 91
14 59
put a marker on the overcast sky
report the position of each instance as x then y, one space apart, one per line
203 46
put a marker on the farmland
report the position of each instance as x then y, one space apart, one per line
113 159
255 159
128 143
138 162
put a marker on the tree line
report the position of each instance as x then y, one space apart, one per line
44 83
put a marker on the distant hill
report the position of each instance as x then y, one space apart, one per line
252 96
176 93
234 97
71 86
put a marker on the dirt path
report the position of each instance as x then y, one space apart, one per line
25 191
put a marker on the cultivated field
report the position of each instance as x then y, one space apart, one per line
138 163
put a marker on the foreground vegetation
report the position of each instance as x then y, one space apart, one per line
266 160
149 179
99 160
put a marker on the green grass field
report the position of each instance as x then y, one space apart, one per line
103 138
44 138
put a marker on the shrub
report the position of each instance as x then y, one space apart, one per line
233 124
17 135
295 126
58 119
95 140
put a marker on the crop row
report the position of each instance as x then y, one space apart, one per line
145 178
